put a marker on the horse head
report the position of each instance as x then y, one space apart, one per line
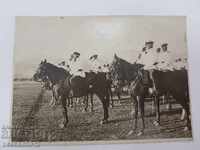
41 72
54 73
123 71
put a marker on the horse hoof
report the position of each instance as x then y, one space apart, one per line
156 123
140 133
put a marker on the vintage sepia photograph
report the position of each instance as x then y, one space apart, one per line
100 79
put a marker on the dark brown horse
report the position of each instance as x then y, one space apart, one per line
125 72
68 86
174 82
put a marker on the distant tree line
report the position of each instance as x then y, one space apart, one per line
23 79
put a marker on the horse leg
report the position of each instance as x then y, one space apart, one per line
169 105
75 104
92 104
71 102
52 98
105 109
183 113
157 109
141 106
187 110
55 96
135 113
119 97
111 96
152 106
86 102
135 103
65 115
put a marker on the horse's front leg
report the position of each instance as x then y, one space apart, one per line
71 102
134 113
167 99
141 106
64 110
86 102
54 97
135 103
186 107
105 103
52 101
119 97
92 102
157 109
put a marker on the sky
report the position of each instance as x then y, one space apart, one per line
55 38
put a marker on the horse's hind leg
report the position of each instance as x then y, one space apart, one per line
65 115
105 109
188 124
157 109
141 106
135 103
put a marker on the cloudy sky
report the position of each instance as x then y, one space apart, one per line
55 38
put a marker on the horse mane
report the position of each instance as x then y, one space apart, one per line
127 70
56 69
55 73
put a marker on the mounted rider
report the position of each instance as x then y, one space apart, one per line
95 63
164 61
76 65
148 58
65 66
180 63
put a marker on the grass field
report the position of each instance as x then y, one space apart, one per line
33 120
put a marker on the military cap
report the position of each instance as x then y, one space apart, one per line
76 53
163 45
149 42
94 56
80 69
144 49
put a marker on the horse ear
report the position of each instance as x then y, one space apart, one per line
115 56
45 61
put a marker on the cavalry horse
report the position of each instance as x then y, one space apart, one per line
174 82
67 86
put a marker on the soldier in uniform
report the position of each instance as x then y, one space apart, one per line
164 59
76 65
95 63
148 58
64 66
105 68
180 63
